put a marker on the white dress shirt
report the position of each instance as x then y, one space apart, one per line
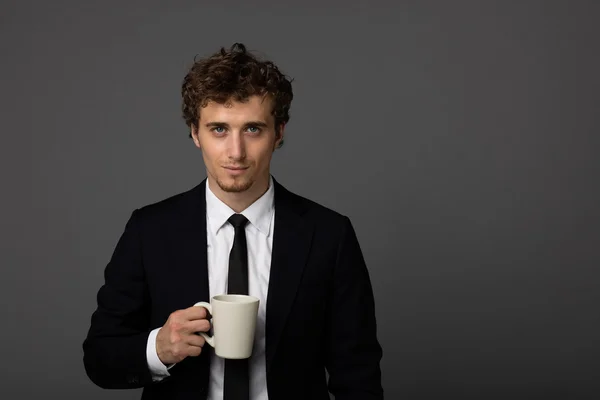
219 239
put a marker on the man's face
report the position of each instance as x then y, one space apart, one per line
237 141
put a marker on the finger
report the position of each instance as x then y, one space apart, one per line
194 351
195 341
198 325
196 312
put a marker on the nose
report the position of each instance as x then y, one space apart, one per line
237 147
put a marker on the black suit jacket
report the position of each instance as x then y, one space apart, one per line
320 307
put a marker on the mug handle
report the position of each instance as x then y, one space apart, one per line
209 339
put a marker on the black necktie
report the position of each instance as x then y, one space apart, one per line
237 378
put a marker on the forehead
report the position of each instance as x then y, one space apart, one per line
254 108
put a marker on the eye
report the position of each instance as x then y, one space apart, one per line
218 130
253 129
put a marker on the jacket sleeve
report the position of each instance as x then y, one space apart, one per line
115 346
353 351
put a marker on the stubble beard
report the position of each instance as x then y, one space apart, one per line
238 185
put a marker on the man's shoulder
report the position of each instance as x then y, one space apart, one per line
329 224
172 207
313 210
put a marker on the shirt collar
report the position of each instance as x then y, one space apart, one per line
258 213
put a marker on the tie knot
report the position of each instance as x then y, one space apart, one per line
238 221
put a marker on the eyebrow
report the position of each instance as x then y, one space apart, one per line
214 124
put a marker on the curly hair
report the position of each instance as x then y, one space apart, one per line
234 74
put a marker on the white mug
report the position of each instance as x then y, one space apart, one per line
234 322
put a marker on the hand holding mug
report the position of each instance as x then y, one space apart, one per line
177 339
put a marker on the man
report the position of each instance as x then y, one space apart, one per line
302 261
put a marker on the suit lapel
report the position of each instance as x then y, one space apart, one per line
291 244
191 285
190 246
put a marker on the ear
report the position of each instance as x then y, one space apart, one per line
195 136
279 138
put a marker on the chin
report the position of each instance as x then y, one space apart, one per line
235 185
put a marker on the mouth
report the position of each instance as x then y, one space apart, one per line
236 170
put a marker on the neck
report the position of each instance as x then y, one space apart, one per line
239 201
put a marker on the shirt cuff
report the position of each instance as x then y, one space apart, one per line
158 370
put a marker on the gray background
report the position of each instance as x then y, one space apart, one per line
461 137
